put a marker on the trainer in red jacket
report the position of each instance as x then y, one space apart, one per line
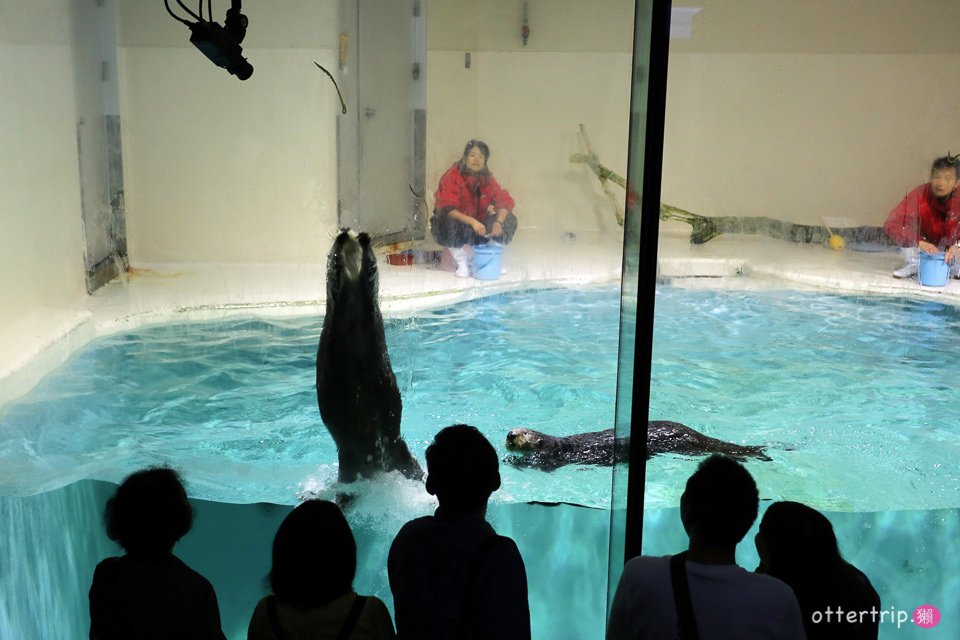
471 207
928 218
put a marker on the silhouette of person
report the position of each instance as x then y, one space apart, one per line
149 593
471 207
314 563
451 575
797 545
702 592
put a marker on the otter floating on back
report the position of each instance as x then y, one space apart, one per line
357 390
548 452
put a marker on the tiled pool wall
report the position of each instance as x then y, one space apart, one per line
52 541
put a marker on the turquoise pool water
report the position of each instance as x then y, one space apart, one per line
854 397
233 403
857 396
823 380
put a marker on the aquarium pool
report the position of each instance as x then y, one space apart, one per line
823 380
852 396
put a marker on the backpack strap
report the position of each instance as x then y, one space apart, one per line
347 630
465 622
273 619
681 597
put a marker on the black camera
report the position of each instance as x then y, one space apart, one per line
220 44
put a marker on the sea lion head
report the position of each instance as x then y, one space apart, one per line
352 265
525 440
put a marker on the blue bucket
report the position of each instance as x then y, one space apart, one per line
487 259
934 270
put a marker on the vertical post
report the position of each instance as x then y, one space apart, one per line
648 177
418 170
99 150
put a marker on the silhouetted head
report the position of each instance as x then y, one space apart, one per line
462 469
794 538
797 544
149 512
314 555
720 502
474 159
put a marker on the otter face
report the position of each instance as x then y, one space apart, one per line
524 440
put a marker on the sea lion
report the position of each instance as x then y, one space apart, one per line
548 452
357 391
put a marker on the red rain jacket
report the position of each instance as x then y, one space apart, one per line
920 216
471 194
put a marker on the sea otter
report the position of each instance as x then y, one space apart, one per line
356 389
547 452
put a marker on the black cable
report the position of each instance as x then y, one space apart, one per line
209 10
343 105
185 8
175 16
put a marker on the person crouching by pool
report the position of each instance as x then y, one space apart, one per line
149 592
471 207
928 219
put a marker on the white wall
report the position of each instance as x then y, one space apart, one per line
527 102
41 241
792 111
798 136
226 171
222 170
219 170
802 110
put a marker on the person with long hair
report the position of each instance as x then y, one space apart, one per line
471 207
314 563
797 545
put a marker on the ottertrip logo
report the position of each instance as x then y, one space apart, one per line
925 616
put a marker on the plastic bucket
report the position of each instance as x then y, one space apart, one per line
487 259
934 270
401 258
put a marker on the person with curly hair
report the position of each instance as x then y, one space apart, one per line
149 593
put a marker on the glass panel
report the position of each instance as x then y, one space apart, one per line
379 131
643 176
202 355
792 132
